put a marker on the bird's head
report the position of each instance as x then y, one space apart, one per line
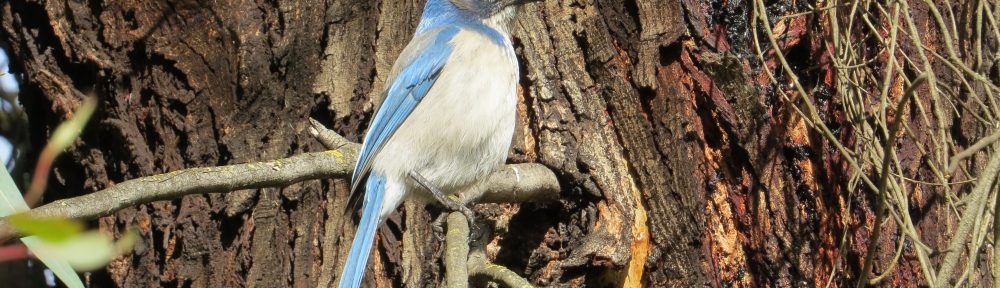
496 13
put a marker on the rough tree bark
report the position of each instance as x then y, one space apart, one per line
680 166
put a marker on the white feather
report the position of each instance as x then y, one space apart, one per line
461 131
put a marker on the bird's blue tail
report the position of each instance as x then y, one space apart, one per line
357 260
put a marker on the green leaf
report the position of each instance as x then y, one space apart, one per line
84 252
50 230
12 202
127 242
59 267
90 250
66 133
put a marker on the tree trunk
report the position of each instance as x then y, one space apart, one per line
680 164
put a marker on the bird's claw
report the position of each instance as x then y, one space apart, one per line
451 205
474 231
438 226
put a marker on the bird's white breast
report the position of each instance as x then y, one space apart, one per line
463 127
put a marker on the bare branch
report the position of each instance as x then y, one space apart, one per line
456 252
463 260
173 185
514 183
329 138
480 266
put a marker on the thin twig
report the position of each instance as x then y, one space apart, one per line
968 152
975 204
996 245
888 150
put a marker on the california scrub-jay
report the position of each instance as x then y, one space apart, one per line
447 119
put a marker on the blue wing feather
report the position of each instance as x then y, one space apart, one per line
357 258
418 68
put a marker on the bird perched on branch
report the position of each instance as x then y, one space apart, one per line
447 119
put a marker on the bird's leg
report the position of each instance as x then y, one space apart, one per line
446 201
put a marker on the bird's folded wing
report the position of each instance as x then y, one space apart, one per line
414 72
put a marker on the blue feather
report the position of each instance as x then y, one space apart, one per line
439 13
357 259
407 89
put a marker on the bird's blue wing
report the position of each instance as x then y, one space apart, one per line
414 72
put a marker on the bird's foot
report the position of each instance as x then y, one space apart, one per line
450 204
438 226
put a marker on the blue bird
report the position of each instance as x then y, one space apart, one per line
447 119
